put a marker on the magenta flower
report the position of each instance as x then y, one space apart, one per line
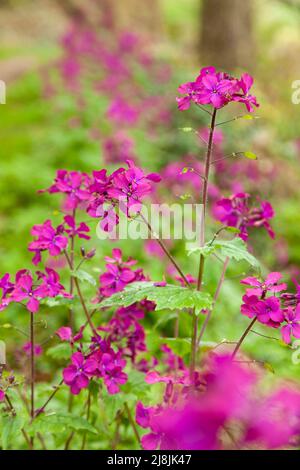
118 274
122 112
245 84
6 286
74 184
267 311
80 231
2 396
291 299
124 188
112 372
37 350
118 148
77 375
217 90
236 212
51 282
292 327
271 284
65 334
117 258
115 279
130 186
47 239
143 414
276 421
25 290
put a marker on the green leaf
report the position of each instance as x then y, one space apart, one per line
11 428
234 249
166 297
163 319
232 229
180 346
84 276
237 249
60 423
250 155
60 351
205 250
57 301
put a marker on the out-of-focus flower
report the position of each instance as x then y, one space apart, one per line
38 350
236 212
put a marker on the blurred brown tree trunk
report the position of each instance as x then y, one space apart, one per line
227 34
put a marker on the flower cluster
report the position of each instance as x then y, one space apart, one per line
74 185
31 290
118 274
219 414
217 89
124 189
271 310
235 211
55 240
100 362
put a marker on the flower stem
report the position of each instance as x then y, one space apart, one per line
72 253
32 369
82 301
236 349
205 189
32 365
166 251
194 343
88 404
40 410
132 423
217 293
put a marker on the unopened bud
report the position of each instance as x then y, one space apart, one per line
91 253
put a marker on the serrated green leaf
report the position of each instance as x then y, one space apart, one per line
84 276
234 249
205 250
165 297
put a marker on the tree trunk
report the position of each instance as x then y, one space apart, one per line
227 34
